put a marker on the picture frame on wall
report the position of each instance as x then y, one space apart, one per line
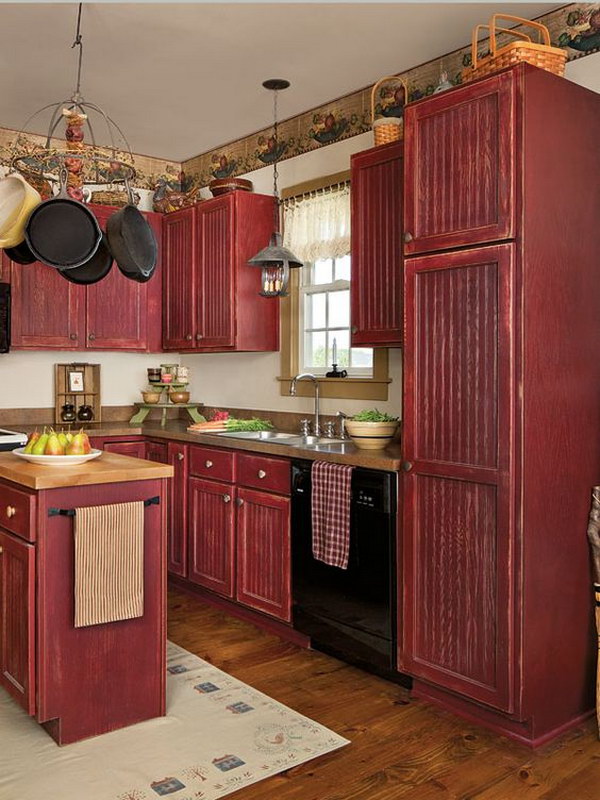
76 383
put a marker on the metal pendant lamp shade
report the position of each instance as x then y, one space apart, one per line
275 260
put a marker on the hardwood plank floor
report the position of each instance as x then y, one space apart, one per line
401 747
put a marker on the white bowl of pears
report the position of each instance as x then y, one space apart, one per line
52 449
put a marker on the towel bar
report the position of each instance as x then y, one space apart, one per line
70 512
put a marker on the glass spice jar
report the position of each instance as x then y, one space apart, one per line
67 413
85 413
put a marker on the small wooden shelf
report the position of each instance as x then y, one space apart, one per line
143 409
90 396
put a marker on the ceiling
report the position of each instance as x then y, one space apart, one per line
181 79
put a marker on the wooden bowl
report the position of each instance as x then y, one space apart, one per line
225 185
371 435
151 397
179 397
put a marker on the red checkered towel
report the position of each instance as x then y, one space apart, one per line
331 491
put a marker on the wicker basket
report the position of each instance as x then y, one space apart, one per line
110 197
387 129
542 55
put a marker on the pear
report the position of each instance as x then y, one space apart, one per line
87 447
40 446
62 438
69 436
53 445
76 447
33 437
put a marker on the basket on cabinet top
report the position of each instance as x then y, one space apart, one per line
387 129
538 54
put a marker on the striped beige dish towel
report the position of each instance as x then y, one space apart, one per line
109 563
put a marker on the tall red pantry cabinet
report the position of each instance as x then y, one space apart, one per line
501 399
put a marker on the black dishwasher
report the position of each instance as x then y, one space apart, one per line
349 613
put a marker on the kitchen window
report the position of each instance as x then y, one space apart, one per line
316 314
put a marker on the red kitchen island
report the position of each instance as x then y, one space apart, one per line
84 681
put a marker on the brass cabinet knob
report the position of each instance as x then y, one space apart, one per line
188 337
1 551
180 456
10 511
239 501
355 329
208 464
408 237
226 498
92 336
407 466
198 336
261 473
73 336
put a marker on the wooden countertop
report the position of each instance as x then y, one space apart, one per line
108 468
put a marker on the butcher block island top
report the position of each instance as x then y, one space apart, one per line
108 468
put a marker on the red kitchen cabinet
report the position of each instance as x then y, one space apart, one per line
178 280
157 451
376 286
177 456
263 553
211 294
211 535
460 167
135 449
457 526
17 619
50 313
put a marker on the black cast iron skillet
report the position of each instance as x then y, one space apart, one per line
62 232
93 270
20 253
132 243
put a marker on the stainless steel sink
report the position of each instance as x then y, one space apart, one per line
331 446
291 439
271 436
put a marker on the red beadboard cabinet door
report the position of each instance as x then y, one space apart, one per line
157 451
17 620
376 286
263 553
211 535
179 286
177 534
215 273
458 516
460 166
47 311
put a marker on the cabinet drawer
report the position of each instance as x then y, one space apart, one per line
206 462
259 472
17 511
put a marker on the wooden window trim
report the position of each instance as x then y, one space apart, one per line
374 388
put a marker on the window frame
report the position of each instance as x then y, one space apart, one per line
354 387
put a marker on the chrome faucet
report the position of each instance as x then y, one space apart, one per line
316 423
342 418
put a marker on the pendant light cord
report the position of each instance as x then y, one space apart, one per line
78 43
276 211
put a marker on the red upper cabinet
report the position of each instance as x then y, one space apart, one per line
458 571
460 162
212 300
376 286
179 280
50 313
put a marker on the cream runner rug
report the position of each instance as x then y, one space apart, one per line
219 735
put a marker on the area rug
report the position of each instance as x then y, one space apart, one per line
219 735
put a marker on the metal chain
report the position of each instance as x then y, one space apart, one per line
78 43
276 211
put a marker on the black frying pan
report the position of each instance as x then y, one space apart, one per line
93 270
20 253
61 232
132 243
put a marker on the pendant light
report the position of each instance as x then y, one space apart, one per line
275 260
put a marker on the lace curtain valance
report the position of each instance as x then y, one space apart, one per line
318 225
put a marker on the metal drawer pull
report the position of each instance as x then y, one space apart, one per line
408 237
10 511
239 501
208 464
226 498
262 473
180 456
1 551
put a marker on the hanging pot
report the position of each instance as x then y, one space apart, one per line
20 253
17 200
132 242
93 270
61 232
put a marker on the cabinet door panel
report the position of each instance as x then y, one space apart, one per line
157 451
216 274
178 280
116 313
211 535
263 553
47 310
133 449
376 285
460 186
458 536
17 620
177 455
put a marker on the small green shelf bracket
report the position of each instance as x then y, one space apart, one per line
143 409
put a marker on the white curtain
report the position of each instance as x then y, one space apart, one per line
318 225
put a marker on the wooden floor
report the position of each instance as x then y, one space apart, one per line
401 747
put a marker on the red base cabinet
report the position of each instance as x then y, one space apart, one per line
501 396
212 535
177 544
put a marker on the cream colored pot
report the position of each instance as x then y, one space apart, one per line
371 435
